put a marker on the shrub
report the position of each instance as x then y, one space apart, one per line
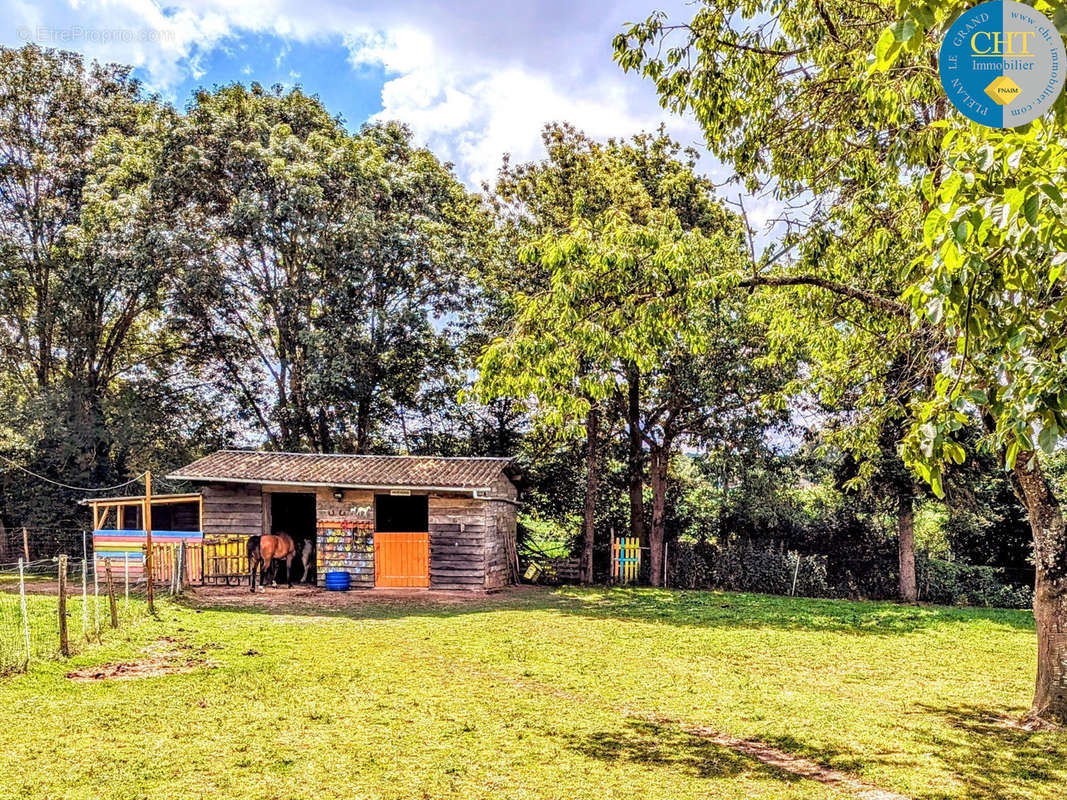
748 568
951 583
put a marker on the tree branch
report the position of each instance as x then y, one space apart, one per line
872 299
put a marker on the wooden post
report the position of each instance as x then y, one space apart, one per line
796 572
25 545
111 594
148 540
25 615
64 644
126 570
180 566
96 597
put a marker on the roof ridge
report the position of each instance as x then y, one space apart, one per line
358 455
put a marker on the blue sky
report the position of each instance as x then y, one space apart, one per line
474 79
355 93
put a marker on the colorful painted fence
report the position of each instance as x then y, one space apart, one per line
224 560
626 559
129 546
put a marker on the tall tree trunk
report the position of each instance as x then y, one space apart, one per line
659 458
592 487
635 463
362 425
906 543
1050 590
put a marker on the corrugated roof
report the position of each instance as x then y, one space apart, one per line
346 471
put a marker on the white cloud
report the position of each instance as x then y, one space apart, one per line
474 80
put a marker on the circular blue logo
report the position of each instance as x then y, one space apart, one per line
1002 64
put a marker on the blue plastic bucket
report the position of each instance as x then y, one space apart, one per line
338 581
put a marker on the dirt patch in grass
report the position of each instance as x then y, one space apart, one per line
165 656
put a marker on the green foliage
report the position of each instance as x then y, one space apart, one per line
86 270
952 583
745 567
323 263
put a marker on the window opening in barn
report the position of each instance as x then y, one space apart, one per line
294 513
175 516
397 514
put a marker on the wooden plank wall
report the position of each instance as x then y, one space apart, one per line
234 509
458 534
500 545
468 536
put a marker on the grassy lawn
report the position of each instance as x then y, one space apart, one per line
538 694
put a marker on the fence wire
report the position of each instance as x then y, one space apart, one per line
32 628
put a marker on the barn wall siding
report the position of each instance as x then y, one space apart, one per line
234 509
458 532
500 544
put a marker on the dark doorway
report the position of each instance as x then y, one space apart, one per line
401 514
294 514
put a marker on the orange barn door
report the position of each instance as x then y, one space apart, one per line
402 559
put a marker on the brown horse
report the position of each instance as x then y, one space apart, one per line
263 551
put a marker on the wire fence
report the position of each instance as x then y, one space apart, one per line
56 607
35 543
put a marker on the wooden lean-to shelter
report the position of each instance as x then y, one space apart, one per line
397 521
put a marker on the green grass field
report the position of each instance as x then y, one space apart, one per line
538 694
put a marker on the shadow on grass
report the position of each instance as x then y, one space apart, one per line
668 607
985 750
645 743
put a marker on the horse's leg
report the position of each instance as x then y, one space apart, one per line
289 569
252 575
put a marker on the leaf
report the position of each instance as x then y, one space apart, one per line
1054 193
1048 437
1011 454
935 484
904 30
1031 208
932 227
1056 269
951 187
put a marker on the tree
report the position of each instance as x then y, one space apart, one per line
629 289
993 277
584 180
787 91
324 262
712 398
772 95
85 270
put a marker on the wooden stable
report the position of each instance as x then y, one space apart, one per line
388 521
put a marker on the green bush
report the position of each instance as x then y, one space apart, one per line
951 583
746 568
